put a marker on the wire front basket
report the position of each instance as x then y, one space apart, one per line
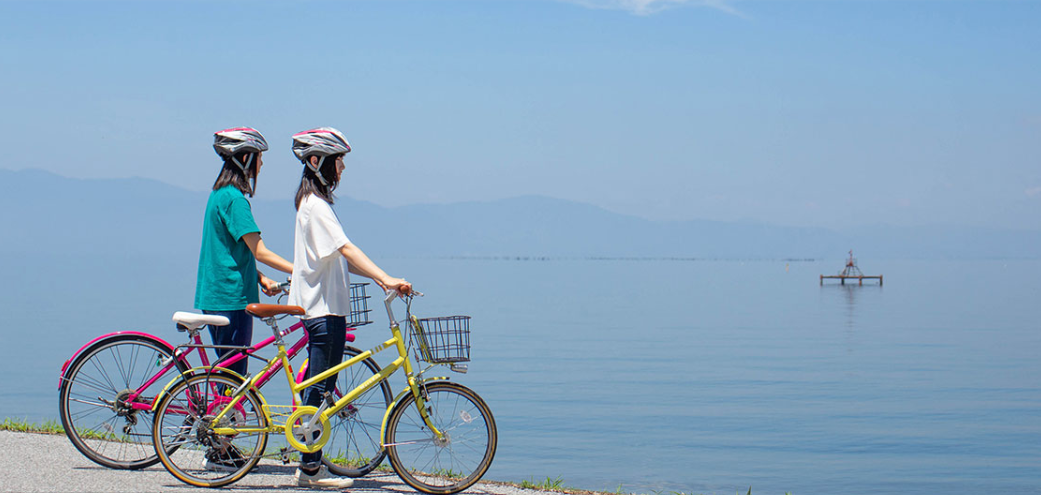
359 306
442 340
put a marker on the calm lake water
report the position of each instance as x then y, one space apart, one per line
656 375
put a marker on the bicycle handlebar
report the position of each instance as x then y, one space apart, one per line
386 301
391 295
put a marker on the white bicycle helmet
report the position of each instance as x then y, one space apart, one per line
322 142
237 140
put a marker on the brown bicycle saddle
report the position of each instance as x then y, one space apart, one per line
268 310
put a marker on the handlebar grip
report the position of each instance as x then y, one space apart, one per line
391 294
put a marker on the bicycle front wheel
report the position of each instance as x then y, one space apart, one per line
449 464
104 405
354 447
190 449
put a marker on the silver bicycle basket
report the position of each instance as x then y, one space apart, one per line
445 339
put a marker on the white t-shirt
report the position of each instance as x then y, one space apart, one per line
320 278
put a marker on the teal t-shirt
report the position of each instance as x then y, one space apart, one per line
227 279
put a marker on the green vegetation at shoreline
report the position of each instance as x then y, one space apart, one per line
48 427
556 484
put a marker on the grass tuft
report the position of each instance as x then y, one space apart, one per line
50 427
549 484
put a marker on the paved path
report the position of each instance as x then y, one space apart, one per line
31 462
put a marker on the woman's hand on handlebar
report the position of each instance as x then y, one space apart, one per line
270 287
400 285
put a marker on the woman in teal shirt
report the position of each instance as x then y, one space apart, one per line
231 243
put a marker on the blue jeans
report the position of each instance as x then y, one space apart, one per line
238 332
326 336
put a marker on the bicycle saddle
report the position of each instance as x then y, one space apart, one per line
269 310
191 321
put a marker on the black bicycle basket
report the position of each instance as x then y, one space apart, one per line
445 339
359 306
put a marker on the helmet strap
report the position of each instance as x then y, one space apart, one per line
245 171
318 170
240 165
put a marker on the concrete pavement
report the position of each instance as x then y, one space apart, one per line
33 462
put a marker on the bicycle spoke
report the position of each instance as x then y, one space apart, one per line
119 364
190 449
452 462
95 408
104 375
92 383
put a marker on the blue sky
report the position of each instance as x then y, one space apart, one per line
816 113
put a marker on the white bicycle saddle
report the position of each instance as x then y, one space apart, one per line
192 321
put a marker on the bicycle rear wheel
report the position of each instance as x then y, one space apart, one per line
190 449
456 461
94 399
354 447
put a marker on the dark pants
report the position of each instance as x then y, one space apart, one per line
238 332
326 336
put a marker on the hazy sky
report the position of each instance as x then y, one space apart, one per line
817 113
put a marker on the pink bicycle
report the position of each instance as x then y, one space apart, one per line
108 388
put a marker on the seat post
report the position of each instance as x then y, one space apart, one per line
273 323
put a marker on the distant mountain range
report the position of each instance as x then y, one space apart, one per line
45 213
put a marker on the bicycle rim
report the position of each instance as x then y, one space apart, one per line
97 418
449 465
190 450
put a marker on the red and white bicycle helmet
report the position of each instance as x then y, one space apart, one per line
231 142
237 140
322 142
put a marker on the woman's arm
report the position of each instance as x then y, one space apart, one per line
264 255
270 287
360 264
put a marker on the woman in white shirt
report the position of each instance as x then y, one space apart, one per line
323 258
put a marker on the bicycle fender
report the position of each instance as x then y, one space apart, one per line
397 398
76 355
192 372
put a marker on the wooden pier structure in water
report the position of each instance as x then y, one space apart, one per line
851 272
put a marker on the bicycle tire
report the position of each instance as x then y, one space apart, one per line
107 369
357 427
187 446
442 467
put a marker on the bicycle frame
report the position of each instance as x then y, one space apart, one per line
181 353
265 375
326 411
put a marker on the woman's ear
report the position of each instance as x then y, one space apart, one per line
314 162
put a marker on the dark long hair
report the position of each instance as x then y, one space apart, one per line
231 174
309 183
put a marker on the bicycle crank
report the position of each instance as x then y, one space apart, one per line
302 435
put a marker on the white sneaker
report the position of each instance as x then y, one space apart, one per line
321 479
219 467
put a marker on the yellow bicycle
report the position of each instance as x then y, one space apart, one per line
211 429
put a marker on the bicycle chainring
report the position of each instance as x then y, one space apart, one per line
302 439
